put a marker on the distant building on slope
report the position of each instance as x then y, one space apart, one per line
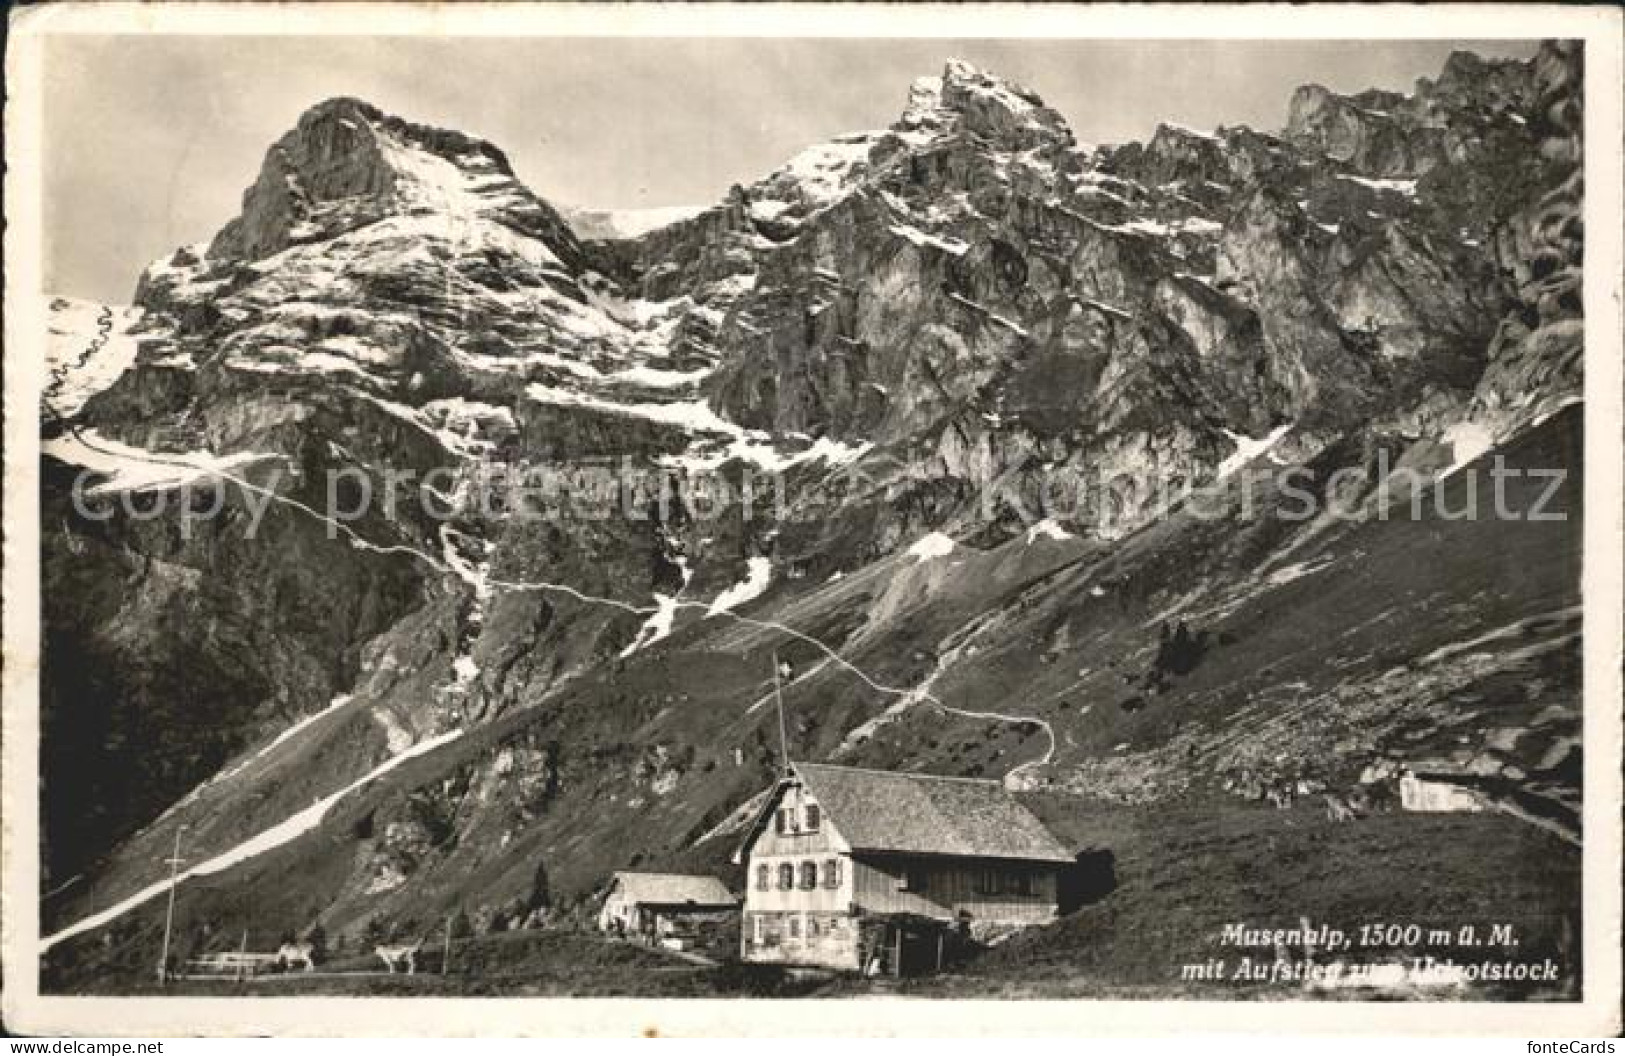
660 906
1434 792
880 872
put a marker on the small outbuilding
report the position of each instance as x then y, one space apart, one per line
664 906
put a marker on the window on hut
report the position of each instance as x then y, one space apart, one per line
787 876
991 881
832 872
814 817
809 875
781 822
795 926
762 878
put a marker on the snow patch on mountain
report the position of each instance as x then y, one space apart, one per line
620 224
1008 324
948 245
933 545
1551 406
1297 571
768 209
1248 449
1049 529
454 546
88 347
1405 187
136 469
655 378
693 415
765 455
1468 441
469 558
823 174
468 427
658 625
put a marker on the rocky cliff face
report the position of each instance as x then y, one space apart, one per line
1443 121
1536 356
956 363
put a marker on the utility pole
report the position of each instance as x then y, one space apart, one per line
169 914
778 696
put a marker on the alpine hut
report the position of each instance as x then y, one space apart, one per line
886 873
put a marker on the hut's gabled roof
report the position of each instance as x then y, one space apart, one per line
672 889
882 811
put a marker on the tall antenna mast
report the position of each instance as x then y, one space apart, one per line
169 913
778 696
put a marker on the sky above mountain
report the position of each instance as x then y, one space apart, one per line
150 141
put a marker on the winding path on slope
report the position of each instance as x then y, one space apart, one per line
292 827
460 233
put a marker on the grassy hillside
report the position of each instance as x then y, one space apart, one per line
1314 649
1182 871
1185 872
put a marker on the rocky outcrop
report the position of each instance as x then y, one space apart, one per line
347 164
1537 354
1359 133
1386 134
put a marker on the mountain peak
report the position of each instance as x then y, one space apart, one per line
341 106
346 163
353 113
344 111
959 75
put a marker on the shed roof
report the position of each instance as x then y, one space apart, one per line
672 889
884 811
